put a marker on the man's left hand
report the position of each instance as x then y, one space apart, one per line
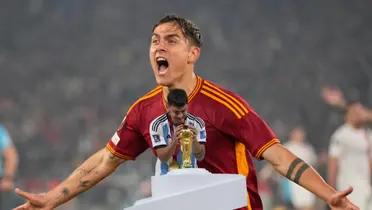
339 201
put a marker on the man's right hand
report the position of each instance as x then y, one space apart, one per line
178 131
34 201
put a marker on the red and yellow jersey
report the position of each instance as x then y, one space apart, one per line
235 132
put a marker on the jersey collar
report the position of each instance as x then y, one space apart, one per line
199 82
194 92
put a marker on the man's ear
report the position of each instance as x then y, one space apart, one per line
194 54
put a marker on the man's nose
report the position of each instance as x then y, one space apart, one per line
161 46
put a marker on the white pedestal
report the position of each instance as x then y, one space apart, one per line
195 189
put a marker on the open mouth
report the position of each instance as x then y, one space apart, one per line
162 64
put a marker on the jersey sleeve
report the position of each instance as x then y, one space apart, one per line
252 131
127 142
202 134
336 146
157 137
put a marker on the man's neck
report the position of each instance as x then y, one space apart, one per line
187 84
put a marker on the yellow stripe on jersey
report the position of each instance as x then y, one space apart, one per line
112 150
153 90
241 159
148 95
214 97
249 202
196 89
264 147
239 103
236 107
242 164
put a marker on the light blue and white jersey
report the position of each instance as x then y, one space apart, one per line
161 136
5 142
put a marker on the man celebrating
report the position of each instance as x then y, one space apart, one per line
166 133
235 132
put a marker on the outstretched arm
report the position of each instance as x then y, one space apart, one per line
93 170
287 164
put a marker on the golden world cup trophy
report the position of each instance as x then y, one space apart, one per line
187 136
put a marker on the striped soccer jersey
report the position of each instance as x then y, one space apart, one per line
161 135
235 132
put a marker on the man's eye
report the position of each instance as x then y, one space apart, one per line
154 41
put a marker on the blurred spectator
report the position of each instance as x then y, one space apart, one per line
333 96
299 198
8 167
350 155
292 196
266 185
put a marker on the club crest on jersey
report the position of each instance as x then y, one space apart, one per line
156 138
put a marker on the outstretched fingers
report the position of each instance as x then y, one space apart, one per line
34 199
339 200
25 206
346 192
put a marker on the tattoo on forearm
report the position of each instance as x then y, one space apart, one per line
89 176
300 171
82 172
292 167
65 192
84 183
297 173
114 159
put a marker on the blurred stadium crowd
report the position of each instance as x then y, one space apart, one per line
70 69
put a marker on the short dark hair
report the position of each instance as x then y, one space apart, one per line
177 97
190 30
